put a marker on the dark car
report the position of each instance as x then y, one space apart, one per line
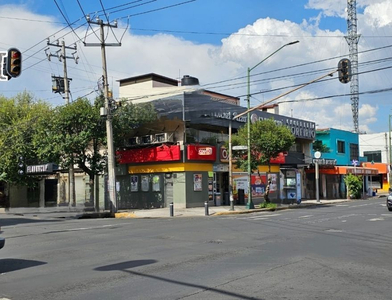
2 242
389 202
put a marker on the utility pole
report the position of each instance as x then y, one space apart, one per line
352 39
63 57
109 127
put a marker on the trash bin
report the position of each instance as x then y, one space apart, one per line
226 198
218 199
241 197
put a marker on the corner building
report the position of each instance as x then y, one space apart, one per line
181 158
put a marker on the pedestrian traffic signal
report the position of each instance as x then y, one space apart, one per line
14 62
344 68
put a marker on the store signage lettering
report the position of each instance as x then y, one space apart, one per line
47 168
205 151
325 161
299 128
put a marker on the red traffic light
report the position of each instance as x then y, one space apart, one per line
14 62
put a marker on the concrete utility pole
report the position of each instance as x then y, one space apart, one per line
109 127
352 39
63 57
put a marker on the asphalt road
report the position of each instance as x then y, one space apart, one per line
326 252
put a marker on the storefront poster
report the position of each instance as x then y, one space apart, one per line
134 183
145 185
156 187
197 182
274 182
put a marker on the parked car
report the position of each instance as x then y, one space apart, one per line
389 202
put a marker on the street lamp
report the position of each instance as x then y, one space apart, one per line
250 204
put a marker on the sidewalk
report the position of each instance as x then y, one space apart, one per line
74 213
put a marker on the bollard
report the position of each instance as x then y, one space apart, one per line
206 208
171 209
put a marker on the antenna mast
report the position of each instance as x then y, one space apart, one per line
352 39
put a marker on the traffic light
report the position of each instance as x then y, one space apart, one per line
344 68
14 62
21 166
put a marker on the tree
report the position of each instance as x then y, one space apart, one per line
268 139
319 146
20 119
76 134
128 117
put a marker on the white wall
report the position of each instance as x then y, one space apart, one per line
375 142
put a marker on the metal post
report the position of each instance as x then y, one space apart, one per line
317 180
206 208
171 209
250 204
230 170
390 154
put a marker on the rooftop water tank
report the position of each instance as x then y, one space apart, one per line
189 80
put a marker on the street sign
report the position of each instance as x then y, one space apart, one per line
3 57
240 148
325 161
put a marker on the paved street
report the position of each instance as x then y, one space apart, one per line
340 251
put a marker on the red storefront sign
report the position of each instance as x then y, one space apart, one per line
196 152
155 154
280 159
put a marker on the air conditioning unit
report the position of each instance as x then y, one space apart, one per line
163 137
146 139
132 141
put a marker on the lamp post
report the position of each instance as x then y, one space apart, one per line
250 204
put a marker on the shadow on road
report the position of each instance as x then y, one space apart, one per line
21 220
124 266
12 264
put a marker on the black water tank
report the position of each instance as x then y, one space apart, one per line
189 80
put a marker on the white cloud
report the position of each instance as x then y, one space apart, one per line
379 14
175 57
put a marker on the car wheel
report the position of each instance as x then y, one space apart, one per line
390 208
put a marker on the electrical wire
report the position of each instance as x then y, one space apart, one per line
65 18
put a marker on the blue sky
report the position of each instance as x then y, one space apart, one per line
213 40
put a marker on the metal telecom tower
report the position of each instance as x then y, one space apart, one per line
352 39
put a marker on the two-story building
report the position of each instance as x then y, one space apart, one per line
341 158
181 158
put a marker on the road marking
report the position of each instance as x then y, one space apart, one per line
341 205
263 216
308 216
334 230
376 219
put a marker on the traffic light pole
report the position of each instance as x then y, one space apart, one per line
109 127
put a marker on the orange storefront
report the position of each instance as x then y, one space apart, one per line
332 185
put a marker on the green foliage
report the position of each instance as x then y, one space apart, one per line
69 134
319 146
268 205
20 121
354 185
131 116
267 138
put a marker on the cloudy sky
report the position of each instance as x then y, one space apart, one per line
215 41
